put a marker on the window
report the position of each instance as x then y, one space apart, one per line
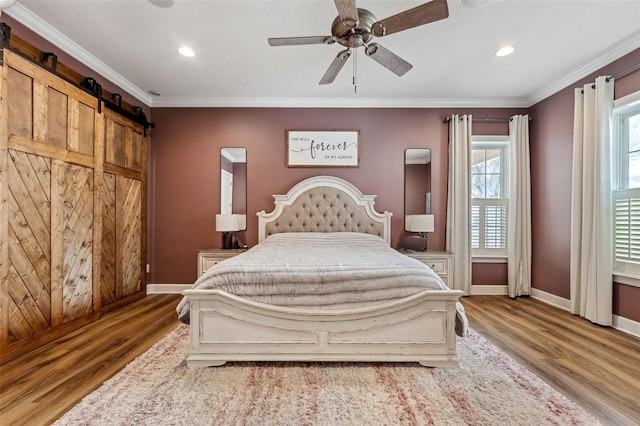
626 189
489 195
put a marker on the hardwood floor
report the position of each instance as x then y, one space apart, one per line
597 367
39 387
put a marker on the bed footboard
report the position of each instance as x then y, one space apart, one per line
419 328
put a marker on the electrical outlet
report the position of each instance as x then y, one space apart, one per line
148 268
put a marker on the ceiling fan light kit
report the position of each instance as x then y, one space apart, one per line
354 27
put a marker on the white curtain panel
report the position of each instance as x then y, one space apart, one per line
519 234
591 280
459 201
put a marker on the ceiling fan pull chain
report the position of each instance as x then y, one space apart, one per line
355 72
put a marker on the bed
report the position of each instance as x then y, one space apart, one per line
365 302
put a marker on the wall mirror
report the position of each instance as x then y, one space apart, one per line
233 181
417 181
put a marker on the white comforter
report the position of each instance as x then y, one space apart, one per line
320 270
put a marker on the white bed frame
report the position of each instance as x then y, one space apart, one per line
418 328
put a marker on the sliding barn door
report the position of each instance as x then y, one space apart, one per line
72 203
48 172
123 233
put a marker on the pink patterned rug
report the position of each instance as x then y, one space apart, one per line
488 388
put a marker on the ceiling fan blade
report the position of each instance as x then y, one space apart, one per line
348 12
297 41
388 59
433 11
335 67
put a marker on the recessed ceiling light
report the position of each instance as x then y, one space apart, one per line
187 51
162 3
475 4
6 3
504 51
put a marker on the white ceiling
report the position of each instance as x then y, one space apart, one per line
134 44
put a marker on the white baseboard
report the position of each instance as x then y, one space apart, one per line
628 326
167 288
489 290
551 299
619 323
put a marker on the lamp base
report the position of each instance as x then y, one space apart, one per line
227 240
414 242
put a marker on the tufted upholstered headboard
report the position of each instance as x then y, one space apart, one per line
324 204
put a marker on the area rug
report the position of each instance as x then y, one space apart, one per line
488 388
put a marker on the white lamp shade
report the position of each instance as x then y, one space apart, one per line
228 222
242 221
419 223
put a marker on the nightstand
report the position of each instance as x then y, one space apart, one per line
440 261
209 257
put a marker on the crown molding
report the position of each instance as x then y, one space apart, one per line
46 31
616 52
43 29
186 102
49 33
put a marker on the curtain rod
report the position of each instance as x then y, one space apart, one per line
625 72
486 120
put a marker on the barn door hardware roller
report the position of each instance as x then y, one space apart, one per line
92 86
54 60
5 38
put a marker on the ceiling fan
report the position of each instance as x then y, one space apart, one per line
354 27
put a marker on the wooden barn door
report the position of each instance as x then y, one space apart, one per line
50 168
123 223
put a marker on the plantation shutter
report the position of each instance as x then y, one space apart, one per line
475 225
495 226
489 224
626 230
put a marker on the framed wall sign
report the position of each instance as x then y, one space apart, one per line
323 148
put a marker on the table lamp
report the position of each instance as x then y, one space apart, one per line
421 223
227 223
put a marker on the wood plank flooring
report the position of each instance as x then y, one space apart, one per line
597 367
39 387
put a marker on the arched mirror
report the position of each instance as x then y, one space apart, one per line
417 182
233 182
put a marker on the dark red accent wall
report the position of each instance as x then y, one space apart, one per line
626 301
489 273
185 168
551 143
